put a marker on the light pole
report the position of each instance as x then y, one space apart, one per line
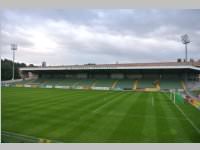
13 48
185 40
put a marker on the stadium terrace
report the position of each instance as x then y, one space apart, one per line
137 71
158 76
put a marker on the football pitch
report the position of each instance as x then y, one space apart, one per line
59 115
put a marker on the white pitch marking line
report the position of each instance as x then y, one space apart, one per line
106 103
188 119
152 101
18 134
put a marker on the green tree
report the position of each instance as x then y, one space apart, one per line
6 69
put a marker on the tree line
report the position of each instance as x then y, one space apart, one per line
7 67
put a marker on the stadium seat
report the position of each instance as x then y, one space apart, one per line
170 84
125 84
104 82
146 83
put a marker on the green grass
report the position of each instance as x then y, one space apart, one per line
96 116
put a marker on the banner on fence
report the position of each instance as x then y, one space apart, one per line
79 87
100 88
49 86
27 85
34 86
62 87
19 85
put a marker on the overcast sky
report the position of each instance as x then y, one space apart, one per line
62 37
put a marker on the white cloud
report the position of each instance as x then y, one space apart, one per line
62 41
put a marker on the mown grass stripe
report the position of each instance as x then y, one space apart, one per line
149 131
25 117
163 127
181 124
79 122
120 116
188 119
50 100
108 122
71 117
129 129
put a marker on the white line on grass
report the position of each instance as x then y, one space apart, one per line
102 106
18 134
188 119
26 137
106 103
152 101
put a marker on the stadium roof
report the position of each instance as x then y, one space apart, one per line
162 65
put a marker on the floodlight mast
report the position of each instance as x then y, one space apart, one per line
13 48
185 40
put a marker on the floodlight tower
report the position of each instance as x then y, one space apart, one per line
185 40
13 48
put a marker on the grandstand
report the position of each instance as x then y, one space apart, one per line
132 76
